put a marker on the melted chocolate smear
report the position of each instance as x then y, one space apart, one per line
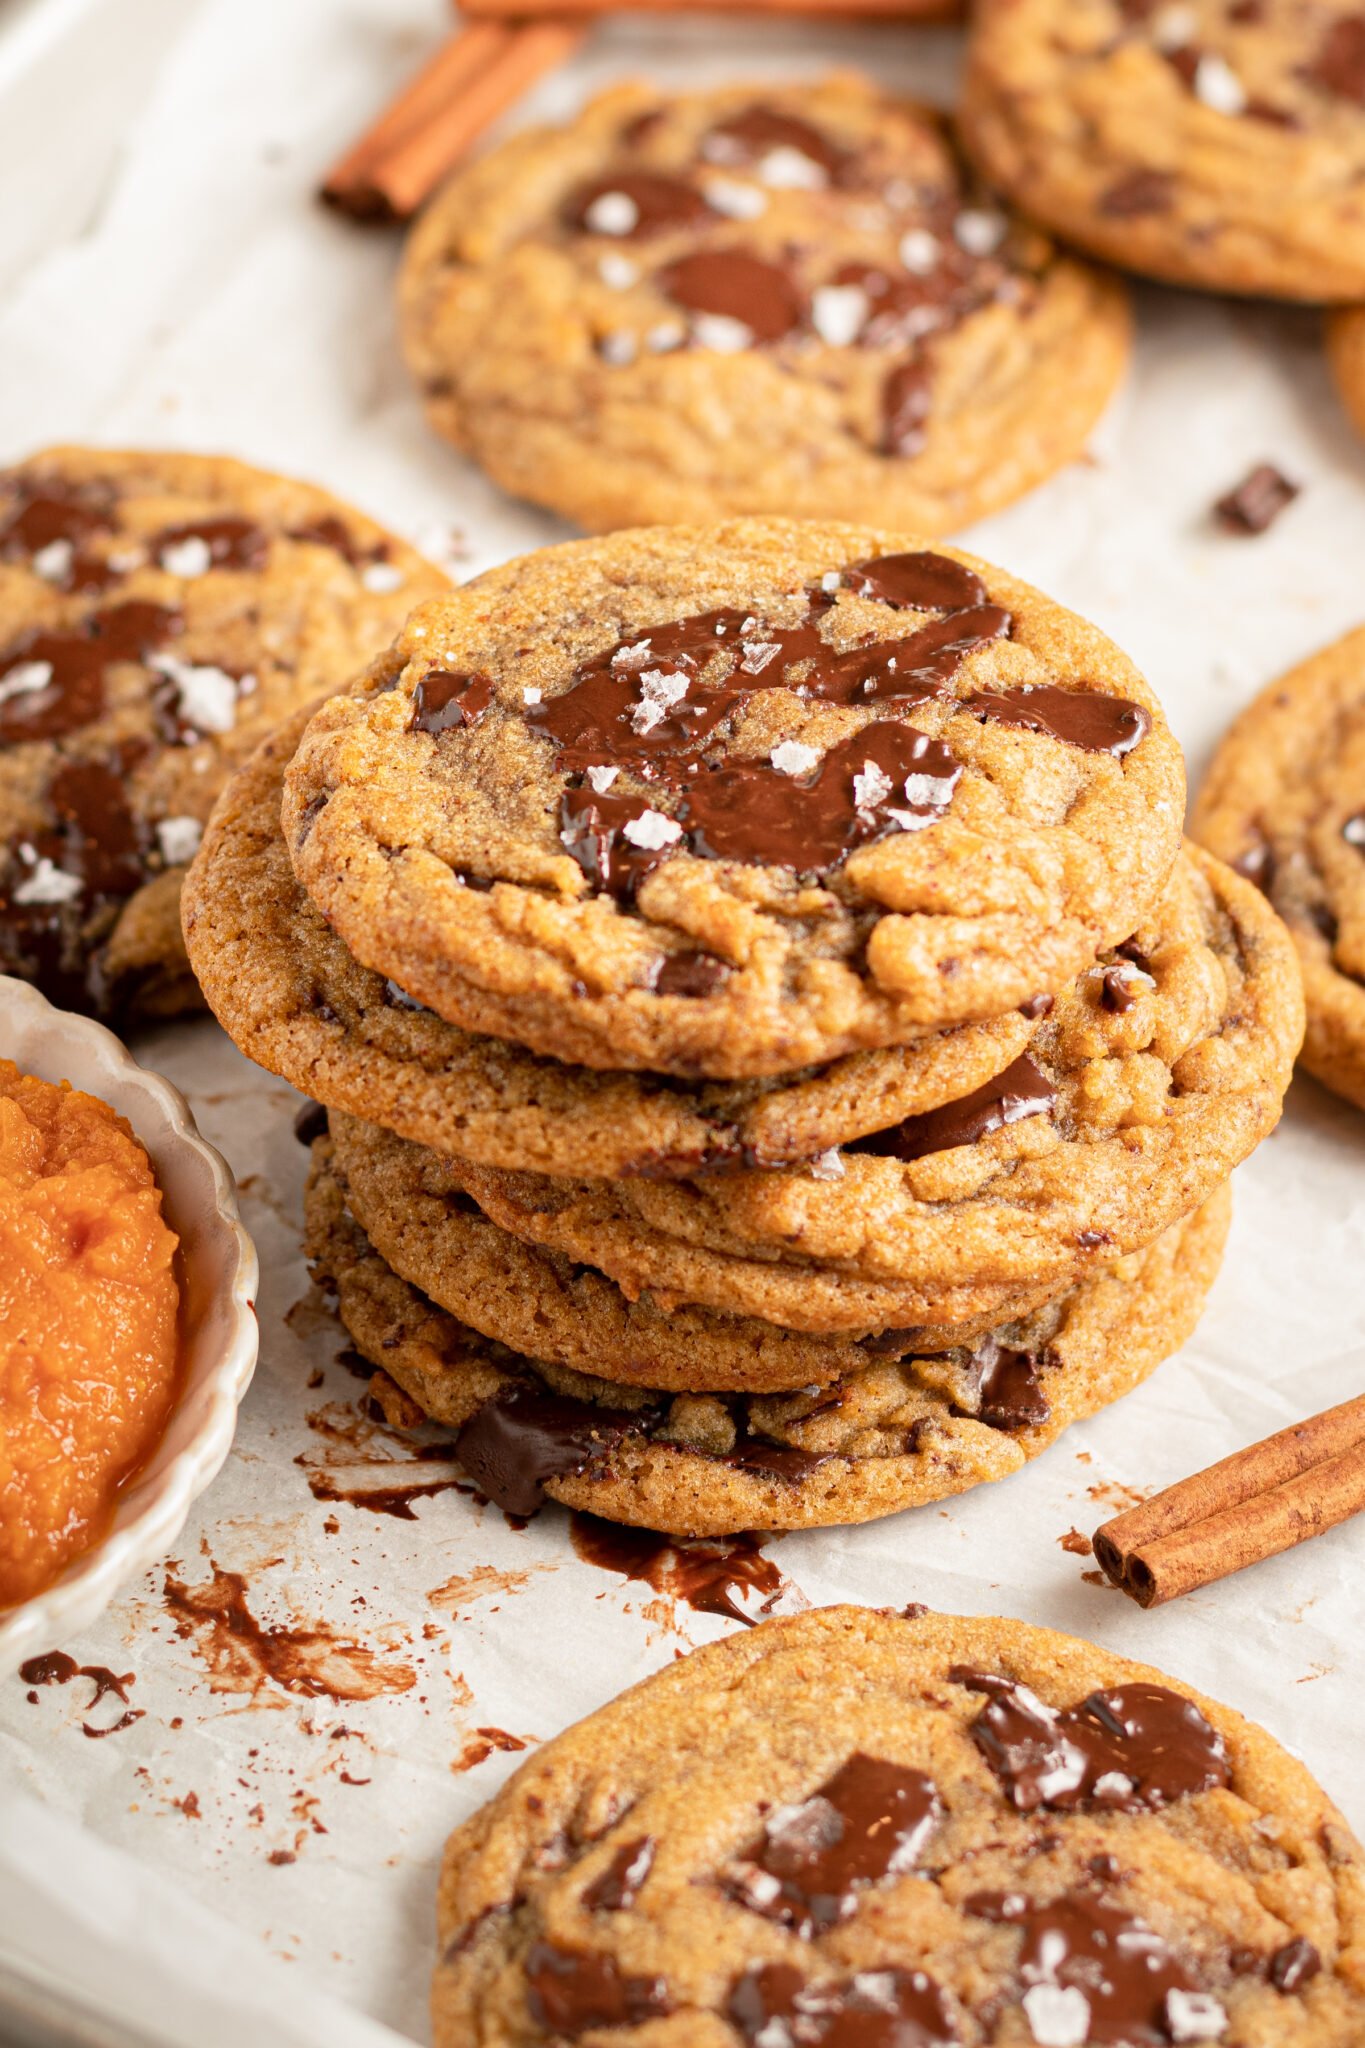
570 1990
702 1571
1339 67
56 1668
1135 1747
1134 1988
1257 501
773 2006
231 543
731 284
393 1500
1008 1389
755 132
1021 1090
1082 718
869 1822
444 701
524 1436
910 671
71 695
1138 192
690 974
613 713
52 515
922 582
646 202
617 1889
243 1654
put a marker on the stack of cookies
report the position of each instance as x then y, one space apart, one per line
781 1064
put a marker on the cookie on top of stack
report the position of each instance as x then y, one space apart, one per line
782 1066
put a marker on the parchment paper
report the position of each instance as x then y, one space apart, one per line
297 1786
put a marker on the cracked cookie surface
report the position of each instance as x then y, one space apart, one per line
732 801
1284 802
1212 142
892 1434
159 613
755 300
854 1826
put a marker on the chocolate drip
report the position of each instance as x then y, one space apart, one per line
1339 66
524 1436
773 2006
907 670
1008 1392
922 582
705 1571
53 516
1112 1976
1082 718
656 203
732 284
445 700
869 1822
617 1889
570 1990
755 132
1134 1747
1021 1090
72 694
231 543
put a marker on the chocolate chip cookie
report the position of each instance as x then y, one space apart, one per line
857 1827
159 613
1284 801
891 1434
289 993
753 300
732 801
1218 143
1346 359
1147 1083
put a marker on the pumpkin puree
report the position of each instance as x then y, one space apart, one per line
88 1309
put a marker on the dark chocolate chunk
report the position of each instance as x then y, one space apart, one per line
53 520
617 1889
787 1462
922 582
870 1821
446 699
1339 66
628 205
1134 1747
1009 1395
732 284
1021 1090
1082 718
524 1436
757 131
52 684
1293 1965
690 974
1038 1006
773 2006
230 543
570 1990
1257 501
1138 192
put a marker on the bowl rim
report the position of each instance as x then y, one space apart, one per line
87 1585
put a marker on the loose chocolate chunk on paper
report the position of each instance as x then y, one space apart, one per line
1257 501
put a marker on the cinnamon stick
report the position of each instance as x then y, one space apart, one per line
1251 1506
436 120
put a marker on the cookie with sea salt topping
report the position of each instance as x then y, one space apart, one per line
731 801
761 299
857 1827
1218 143
887 1435
1284 802
159 613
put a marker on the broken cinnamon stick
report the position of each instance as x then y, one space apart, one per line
436 120
1251 1506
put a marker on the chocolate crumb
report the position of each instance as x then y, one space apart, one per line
1256 502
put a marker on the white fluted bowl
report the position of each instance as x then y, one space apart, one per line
218 1275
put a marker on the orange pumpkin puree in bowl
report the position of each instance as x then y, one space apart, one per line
89 1303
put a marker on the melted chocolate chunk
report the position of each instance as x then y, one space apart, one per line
524 1436
773 2006
1021 1090
884 778
331 532
310 1122
628 205
231 544
787 1462
757 131
690 974
907 400
1257 501
1292 1966
570 1990
445 700
1339 66
52 521
596 832
52 684
908 670
1111 1976
869 1822
1134 1747
1008 1389
1038 1006
617 1889
732 284
922 582
1138 192
1081 718
1119 986
625 708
